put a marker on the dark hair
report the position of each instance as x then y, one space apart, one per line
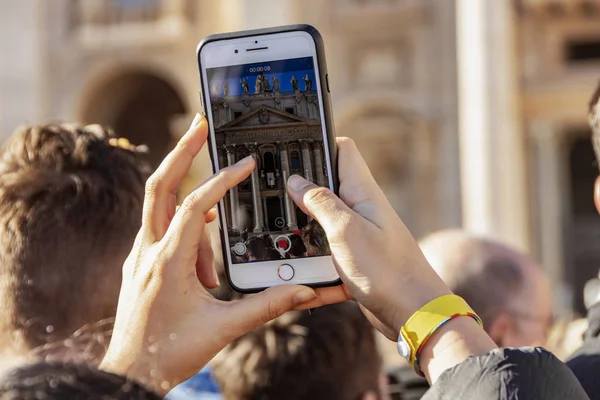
297 249
70 206
315 239
62 381
330 354
256 248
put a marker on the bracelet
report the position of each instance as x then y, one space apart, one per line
416 365
419 328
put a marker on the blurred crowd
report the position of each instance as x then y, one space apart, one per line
72 200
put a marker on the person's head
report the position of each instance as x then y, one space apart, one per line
297 247
315 239
256 250
330 354
70 207
594 121
60 381
508 290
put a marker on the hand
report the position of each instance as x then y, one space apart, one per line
378 260
380 263
167 325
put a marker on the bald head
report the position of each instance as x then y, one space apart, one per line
493 278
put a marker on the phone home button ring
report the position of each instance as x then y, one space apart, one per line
285 272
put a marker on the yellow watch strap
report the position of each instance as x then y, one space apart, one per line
428 318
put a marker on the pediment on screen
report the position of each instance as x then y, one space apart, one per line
266 115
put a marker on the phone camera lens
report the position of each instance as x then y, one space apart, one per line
256 41
236 51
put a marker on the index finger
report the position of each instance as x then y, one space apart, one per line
161 187
185 232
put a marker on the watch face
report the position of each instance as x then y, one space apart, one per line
403 348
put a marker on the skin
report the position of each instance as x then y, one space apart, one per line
527 317
530 326
167 325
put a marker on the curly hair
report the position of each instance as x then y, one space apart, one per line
329 354
70 206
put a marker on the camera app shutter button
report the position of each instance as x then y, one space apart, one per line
285 272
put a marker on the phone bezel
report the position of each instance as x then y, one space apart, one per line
252 277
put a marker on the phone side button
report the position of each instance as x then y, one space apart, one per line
327 82
201 100
285 272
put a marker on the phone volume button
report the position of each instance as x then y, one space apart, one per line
201 99
327 82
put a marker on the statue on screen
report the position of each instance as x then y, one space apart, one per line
259 87
225 89
294 83
245 86
215 91
307 83
276 85
267 84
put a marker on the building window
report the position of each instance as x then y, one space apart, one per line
582 51
295 162
290 110
237 114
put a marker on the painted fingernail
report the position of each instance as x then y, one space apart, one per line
196 121
244 160
304 296
297 183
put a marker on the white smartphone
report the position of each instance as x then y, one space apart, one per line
265 94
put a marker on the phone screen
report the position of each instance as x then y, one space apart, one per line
270 110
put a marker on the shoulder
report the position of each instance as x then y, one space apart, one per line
509 374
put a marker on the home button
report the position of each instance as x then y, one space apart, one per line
285 272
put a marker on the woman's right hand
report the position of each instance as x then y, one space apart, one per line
379 262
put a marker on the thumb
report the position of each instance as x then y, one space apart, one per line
319 202
258 309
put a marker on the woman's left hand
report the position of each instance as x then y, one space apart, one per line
168 326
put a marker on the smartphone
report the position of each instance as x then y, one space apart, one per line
266 94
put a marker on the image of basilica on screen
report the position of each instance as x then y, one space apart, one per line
280 126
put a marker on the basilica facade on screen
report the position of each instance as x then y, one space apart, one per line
283 132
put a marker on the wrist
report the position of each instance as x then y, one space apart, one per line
452 344
413 300
139 369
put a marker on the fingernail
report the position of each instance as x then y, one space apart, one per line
297 183
216 276
244 160
196 121
304 296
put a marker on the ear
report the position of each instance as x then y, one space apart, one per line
498 329
597 193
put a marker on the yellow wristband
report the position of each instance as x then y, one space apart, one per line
423 323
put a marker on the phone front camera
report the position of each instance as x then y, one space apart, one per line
256 41
236 51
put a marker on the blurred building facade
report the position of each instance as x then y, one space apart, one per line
413 81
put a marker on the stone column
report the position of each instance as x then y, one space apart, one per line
306 159
234 200
549 208
492 149
266 211
319 162
290 211
257 207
